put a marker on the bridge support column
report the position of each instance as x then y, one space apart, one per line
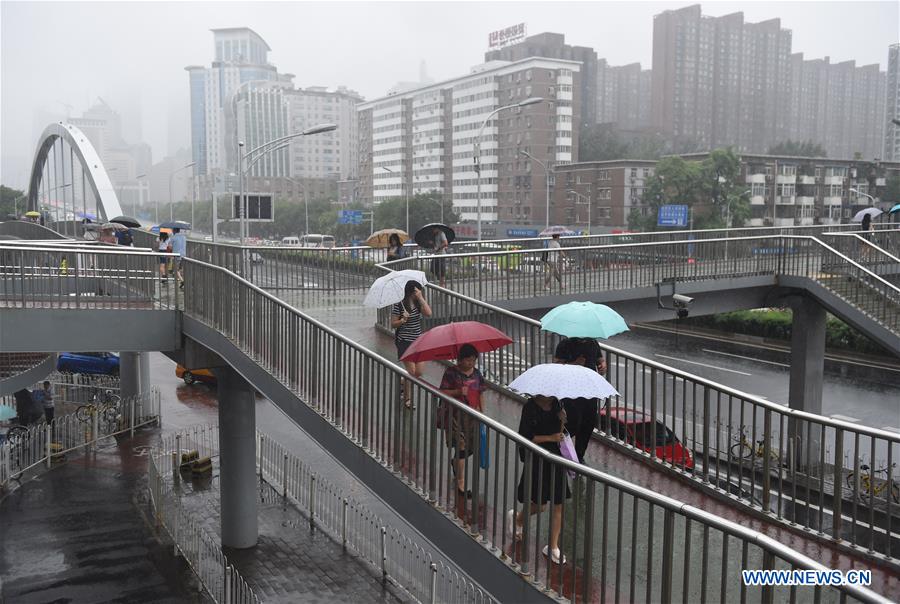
237 446
134 372
807 372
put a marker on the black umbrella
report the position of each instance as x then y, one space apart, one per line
176 224
127 221
425 238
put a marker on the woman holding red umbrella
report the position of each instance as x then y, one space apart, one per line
465 383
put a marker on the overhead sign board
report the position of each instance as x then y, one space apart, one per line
350 217
521 232
259 207
506 36
672 216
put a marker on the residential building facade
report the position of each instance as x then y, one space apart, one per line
553 46
787 191
623 95
600 195
423 140
891 151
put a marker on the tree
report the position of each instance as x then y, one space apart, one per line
721 174
424 208
600 143
797 149
891 190
9 206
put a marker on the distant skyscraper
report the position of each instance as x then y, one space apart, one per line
719 81
837 105
892 106
241 56
623 95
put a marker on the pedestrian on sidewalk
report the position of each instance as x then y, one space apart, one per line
542 423
406 319
439 265
395 249
581 413
164 247
179 246
44 397
553 259
465 383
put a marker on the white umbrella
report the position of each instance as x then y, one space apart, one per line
873 212
389 289
563 381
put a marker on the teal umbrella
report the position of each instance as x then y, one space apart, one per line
584 320
896 208
7 412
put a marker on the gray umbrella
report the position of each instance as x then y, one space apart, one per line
176 224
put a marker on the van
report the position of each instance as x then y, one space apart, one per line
290 241
313 240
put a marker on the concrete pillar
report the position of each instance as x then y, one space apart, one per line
807 372
237 455
134 373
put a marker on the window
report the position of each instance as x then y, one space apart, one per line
634 173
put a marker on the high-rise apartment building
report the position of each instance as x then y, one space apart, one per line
423 140
332 153
837 105
553 46
891 150
623 95
718 81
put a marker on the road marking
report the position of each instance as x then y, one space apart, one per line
704 365
738 356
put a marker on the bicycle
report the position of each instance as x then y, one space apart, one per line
106 408
743 449
868 485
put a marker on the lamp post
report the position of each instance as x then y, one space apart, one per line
56 206
858 192
546 177
728 210
172 195
588 202
477 157
255 154
389 171
140 199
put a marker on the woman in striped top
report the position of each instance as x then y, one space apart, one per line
406 319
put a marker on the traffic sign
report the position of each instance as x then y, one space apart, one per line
672 216
350 217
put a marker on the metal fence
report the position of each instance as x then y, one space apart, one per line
43 442
395 555
621 538
73 388
198 546
83 277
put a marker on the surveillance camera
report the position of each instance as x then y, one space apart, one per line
681 301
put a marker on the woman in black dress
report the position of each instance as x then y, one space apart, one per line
542 423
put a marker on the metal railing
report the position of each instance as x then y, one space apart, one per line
42 442
82 277
14 363
72 388
28 230
877 252
799 478
198 546
358 391
522 274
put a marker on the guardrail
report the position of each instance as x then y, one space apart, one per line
798 477
872 251
28 230
42 442
358 391
55 277
198 546
532 273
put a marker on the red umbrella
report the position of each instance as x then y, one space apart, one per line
444 342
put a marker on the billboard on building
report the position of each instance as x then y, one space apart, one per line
259 207
506 36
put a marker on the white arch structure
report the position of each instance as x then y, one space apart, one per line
53 174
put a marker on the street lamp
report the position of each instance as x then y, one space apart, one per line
389 171
172 195
477 158
588 202
546 177
858 192
261 150
728 210
56 206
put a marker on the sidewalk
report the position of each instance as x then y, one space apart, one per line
78 533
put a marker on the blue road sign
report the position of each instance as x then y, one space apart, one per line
521 232
672 216
350 217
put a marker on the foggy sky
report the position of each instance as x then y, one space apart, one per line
133 54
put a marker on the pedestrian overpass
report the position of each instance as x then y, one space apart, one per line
352 406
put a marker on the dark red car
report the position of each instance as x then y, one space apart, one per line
639 430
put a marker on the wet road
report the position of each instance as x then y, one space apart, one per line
872 402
